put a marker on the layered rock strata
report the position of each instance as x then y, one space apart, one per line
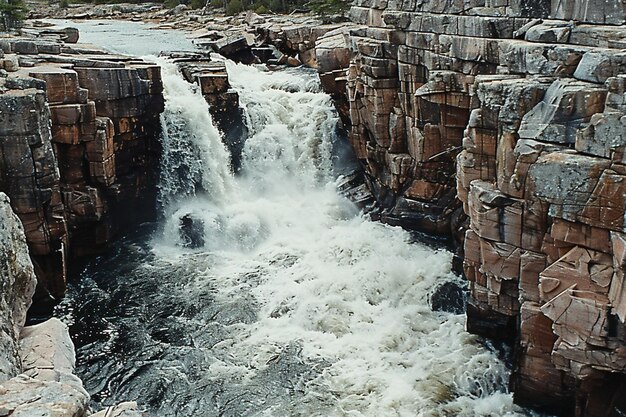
78 146
512 113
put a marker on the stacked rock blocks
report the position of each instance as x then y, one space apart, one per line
79 146
517 109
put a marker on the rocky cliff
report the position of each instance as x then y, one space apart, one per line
500 123
78 146
17 285
509 114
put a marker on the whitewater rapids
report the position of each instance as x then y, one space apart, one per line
296 304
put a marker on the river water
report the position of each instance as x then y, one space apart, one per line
295 304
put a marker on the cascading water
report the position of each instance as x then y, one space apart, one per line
194 159
294 304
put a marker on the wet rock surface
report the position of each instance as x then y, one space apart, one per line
449 296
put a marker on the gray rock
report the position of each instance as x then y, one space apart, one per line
566 105
591 11
9 63
552 32
24 396
535 58
17 284
47 346
599 65
605 136
566 180
179 9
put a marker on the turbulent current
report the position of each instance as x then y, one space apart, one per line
292 303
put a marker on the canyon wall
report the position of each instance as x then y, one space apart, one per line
500 122
37 362
503 122
17 281
79 157
79 148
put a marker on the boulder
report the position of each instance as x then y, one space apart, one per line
599 65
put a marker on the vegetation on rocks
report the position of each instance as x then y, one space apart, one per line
12 12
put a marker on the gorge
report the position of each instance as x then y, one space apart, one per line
252 287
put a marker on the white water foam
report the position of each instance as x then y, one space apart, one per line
353 294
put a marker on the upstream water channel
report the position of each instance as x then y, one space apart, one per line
296 304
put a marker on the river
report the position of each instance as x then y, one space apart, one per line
295 304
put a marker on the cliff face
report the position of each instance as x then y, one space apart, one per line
78 146
513 112
17 285
37 362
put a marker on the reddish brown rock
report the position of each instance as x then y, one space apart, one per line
533 128
60 162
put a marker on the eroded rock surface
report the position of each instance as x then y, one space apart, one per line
79 146
37 362
17 284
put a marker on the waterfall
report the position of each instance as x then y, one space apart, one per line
335 306
291 128
288 302
194 161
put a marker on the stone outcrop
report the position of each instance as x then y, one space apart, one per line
78 146
47 385
503 123
37 362
212 79
17 281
